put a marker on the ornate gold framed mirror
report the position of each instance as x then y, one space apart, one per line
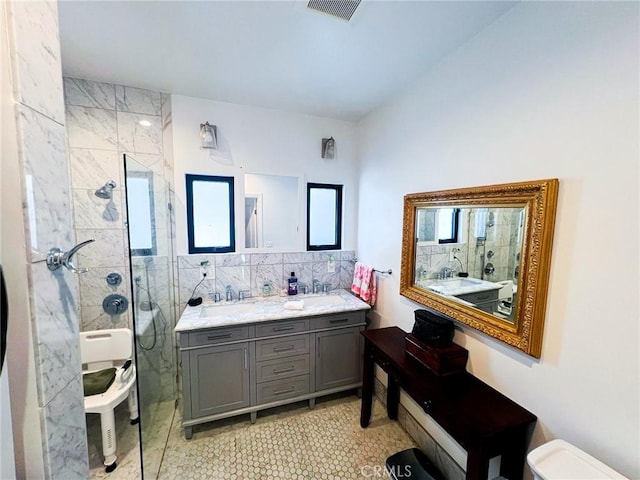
481 256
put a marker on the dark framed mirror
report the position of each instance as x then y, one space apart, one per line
324 216
490 271
210 214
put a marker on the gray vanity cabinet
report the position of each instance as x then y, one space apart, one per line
219 379
338 358
235 370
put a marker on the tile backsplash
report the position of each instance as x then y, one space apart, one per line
249 272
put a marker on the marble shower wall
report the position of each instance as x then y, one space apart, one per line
40 120
105 122
249 272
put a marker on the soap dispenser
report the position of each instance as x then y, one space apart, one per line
293 284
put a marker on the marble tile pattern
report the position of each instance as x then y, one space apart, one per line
289 443
135 137
270 308
93 128
65 430
136 100
54 301
249 272
34 49
36 57
90 168
44 156
87 93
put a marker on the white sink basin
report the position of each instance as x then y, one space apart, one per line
325 301
232 309
457 283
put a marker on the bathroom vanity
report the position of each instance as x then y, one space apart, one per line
474 292
243 357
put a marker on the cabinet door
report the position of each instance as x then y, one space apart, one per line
338 358
219 379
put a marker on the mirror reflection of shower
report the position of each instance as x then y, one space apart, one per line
106 191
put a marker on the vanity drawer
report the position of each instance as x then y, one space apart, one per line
218 335
281 328
281 389
338 320
282 347
480 297
276 369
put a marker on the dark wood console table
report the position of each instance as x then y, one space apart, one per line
482 420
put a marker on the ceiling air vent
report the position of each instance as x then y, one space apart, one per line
343 9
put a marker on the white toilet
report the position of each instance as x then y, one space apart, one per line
559 460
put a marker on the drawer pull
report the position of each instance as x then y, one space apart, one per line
283 329
218 337
284 349
427 405
341 320
284 370
282 392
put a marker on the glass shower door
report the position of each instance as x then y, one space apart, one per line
149 230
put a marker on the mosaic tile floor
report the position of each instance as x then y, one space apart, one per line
288 443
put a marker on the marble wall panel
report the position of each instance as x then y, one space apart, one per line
90 211
236 277
37 57
153 161
193 261
303 271
266 258
265 273
91 169
54 301
94 287
319 272
137 100
93 317
232 260
106 251
189 279
43 152
137 138
87 93
93 128
65 433
300 257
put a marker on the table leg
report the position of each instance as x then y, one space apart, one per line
367 385
477 465
393 398
513 458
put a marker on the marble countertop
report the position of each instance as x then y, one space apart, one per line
459 286
254 310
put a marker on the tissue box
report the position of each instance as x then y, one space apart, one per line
442 361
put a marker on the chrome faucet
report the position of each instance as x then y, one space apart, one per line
229 293
326 287
216 297
242 294
316 286
446 272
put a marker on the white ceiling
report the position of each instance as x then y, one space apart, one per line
274 54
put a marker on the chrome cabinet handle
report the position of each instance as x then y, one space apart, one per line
284 370
282 392
282 329
56 258
245 359
283 349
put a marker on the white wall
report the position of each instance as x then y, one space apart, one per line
549 90
258 140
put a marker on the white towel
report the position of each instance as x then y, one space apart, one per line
294 305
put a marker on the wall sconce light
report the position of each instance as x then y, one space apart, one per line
208 136
328 148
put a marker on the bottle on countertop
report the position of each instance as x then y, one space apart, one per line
293 284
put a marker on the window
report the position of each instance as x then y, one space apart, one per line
324 216
448 223
210 214
142 238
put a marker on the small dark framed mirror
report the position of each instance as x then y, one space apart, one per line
210 214
324 216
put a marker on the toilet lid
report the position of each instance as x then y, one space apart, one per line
561 460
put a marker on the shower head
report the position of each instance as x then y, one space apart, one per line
106 191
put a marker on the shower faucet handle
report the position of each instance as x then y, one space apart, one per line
56 258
